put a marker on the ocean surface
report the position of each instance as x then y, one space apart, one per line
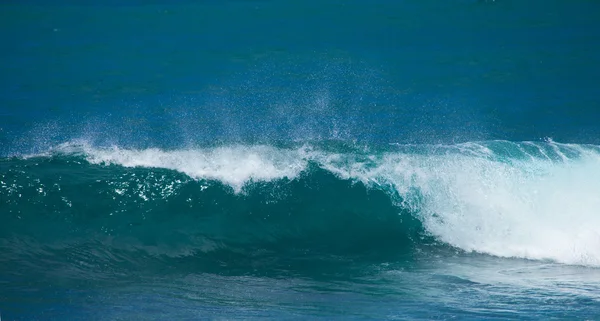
300 160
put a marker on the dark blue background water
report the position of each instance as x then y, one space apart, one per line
382 71
232 159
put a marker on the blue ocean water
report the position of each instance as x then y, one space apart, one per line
409 160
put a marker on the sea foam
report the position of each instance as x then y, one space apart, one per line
537 203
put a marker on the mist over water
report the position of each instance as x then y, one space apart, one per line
192 73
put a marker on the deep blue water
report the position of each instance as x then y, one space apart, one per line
299 160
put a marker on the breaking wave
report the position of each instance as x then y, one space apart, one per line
243 206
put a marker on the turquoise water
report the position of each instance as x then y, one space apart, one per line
408 160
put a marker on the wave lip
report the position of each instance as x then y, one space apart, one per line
231 165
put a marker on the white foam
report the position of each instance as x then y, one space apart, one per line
529 207
232 165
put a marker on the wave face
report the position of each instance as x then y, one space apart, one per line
231 208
